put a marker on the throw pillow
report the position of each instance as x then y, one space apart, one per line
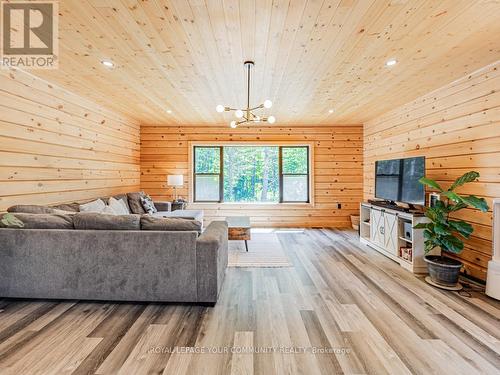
96 206
124 198
134 202
148 205
108 210
118 206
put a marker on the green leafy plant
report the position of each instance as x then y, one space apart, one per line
442 231
10 221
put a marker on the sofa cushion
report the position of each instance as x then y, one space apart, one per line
118 207
169 224
42 221
124 198
74 207
148 205
108 210
94 206
97 221
30 209
183 214
134 202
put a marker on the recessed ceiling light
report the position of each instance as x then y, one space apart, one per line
108 63
169 111
391 62
330 111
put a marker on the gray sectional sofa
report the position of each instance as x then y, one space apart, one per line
112 258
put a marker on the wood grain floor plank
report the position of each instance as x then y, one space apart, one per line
242 359
115 360
63 344
338 294
327 362
26 320
111 330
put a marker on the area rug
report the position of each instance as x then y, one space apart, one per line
264 250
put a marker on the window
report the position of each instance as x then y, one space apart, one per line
207 174
294 174
251 174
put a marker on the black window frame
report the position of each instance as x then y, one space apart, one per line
220 174
280 172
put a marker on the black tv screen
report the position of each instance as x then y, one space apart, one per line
397 180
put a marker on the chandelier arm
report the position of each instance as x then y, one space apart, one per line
258 107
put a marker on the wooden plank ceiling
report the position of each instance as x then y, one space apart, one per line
311 56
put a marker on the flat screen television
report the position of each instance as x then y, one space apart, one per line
397 180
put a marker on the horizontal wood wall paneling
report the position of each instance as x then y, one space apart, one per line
57 147
457 129
58 95
337 175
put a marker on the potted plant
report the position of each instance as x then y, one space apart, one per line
445 233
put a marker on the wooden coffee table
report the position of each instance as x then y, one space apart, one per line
239 229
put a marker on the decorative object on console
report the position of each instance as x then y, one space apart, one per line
433 198
443 232
175 180
178 205
407 230
406 253
493 277
247 114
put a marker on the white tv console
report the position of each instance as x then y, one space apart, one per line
493 277
383 229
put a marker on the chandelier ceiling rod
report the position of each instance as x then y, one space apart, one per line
247 115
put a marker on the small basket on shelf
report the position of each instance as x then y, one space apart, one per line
355 222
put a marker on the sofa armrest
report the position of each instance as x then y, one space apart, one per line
211 261
163 206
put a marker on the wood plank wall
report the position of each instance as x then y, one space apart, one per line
458 129
337 170
57 147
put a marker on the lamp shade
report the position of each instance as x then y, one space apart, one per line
175 180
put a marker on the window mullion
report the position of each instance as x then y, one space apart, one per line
221 174
280 172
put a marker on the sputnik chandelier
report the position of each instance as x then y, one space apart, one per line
246 115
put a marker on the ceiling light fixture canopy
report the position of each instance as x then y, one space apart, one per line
391 62
108 63
246 115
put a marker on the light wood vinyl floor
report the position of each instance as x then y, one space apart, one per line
343 308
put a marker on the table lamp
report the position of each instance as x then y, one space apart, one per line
175 180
